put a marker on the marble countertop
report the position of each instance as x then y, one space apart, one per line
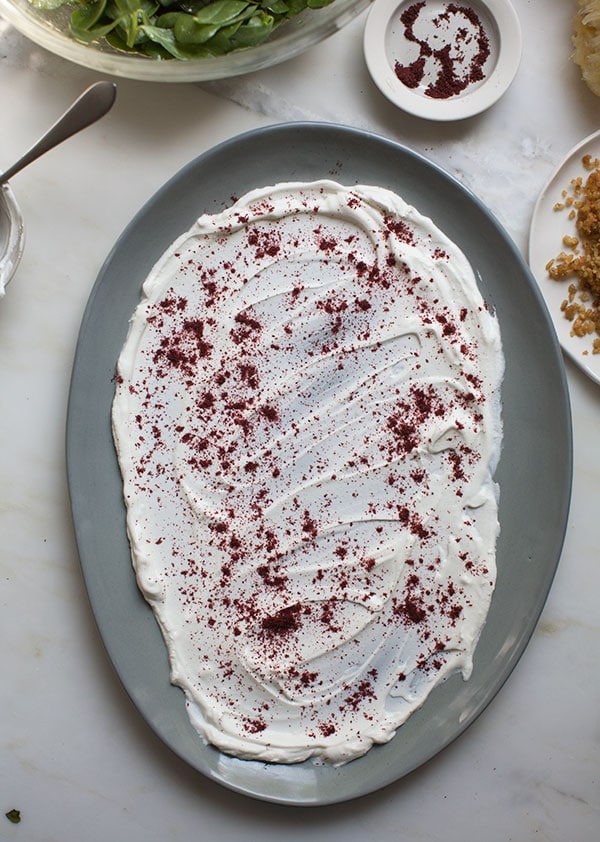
77 759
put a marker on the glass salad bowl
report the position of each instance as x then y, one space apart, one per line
241 22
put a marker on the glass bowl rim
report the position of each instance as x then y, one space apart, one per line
301 33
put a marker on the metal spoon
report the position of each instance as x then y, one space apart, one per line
93 103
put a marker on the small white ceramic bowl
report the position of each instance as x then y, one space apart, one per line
407 41
12 236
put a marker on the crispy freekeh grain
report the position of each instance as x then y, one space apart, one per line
579 261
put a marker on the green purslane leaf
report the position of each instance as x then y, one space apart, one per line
255 31
86 17
85 21
221 43
164 38
126 7
187 30
178 29
276 7
297 6
221 12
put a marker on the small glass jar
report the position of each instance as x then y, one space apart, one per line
12 236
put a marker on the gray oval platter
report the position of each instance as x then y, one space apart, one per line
534 472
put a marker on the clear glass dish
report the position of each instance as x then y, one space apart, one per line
51 31
12 236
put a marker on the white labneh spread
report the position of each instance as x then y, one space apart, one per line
307 420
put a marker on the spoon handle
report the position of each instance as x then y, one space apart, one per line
93 103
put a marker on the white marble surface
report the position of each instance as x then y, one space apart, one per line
76 759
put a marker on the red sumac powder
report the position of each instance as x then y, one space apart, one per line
457 63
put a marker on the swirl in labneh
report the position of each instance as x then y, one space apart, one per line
307 419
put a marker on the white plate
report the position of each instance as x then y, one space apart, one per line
385 44
548 227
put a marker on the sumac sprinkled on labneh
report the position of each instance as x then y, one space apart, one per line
307 422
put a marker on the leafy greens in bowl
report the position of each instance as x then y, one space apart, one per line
179 40
184 29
